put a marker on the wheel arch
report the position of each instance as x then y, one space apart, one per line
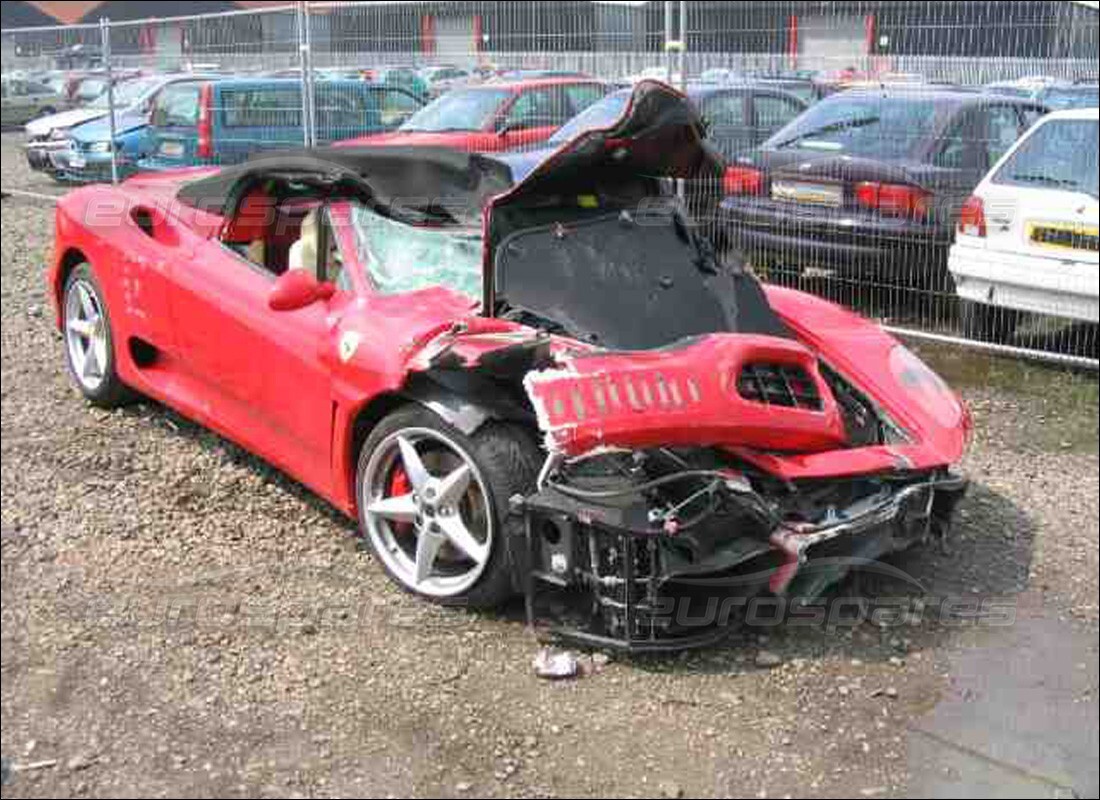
70 259
464 413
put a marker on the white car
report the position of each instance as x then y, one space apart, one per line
1026 239
49 134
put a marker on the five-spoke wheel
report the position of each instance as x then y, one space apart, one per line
89 346
432 503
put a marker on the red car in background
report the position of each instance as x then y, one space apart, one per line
494 116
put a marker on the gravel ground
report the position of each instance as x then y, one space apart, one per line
179 619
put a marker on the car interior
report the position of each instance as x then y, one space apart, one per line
281 234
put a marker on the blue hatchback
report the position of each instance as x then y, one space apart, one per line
228 120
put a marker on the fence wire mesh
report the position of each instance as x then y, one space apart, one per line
855 131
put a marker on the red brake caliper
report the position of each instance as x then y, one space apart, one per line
399 485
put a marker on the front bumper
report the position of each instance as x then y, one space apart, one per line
42 152
599 581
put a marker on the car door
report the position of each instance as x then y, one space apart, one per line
728 117
263 376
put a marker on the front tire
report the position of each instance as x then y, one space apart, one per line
433 503
89 341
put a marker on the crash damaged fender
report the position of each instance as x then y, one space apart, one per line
717 390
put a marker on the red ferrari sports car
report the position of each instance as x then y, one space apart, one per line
551 388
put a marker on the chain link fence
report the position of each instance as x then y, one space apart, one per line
882 118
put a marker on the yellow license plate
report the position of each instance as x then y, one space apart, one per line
818 194
1063 235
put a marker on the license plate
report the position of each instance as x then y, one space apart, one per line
817 194
77 161
1064 235
171 149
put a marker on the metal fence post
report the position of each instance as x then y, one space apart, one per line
667 43
683 45
305 63
105 50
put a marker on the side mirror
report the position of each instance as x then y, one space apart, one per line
297 288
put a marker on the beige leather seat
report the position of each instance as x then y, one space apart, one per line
303 253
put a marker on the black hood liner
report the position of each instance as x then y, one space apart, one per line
626 283
411 184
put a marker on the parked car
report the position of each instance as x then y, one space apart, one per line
494 116
738 117
869 181
49 135
1053 93
1027 237
23 99
443 78
529 388
87 154
399 76
227 120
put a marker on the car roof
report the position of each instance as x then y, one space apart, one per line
236 80
1074 113
705 89
927 91
534 83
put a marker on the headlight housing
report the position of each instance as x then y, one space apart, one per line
58 133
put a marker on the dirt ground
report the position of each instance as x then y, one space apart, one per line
179 619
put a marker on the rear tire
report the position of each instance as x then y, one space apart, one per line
433 503
986 323
89 341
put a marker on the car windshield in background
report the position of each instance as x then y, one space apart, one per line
602 114
89 90
127 93
404 258
462 110
1061 154
875 127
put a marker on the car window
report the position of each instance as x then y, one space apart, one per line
582 95
37 88
725 110
955 143
1002 128
404 258
599 115
869 125
177 106
397 107
1077 97
461 110
537 108
276 107
342 110
1060 154
90 89
772 112
1031 115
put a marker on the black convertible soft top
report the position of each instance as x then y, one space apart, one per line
659 135
408 183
